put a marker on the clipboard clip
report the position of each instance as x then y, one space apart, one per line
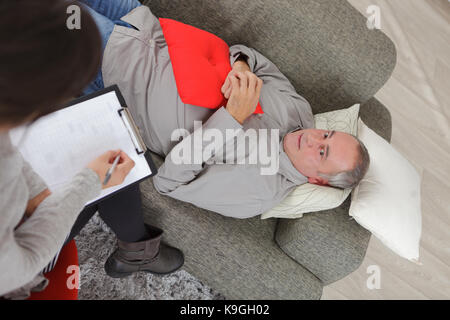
133 130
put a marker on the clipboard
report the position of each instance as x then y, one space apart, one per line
123 112
43 138
133 130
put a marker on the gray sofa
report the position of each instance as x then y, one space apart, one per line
325 48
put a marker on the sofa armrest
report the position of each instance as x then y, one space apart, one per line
377 117
328 243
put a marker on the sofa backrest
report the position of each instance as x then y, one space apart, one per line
323 46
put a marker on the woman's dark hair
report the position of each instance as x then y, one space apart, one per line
43 63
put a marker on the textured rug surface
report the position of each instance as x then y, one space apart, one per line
96 242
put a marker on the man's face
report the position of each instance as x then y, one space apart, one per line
312 151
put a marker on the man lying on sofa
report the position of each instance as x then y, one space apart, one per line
137 59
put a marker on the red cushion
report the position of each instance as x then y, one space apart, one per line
201 63
57 288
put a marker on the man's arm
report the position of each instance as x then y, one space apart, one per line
260 66
278 99
215 187
174 176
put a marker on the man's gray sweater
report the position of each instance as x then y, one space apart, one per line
149 87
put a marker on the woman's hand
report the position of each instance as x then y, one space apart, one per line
102 164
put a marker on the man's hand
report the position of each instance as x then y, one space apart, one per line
238 66
244 97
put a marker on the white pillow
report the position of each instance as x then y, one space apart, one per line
310 197
387 201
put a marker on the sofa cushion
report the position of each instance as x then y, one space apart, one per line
238 258
201 63
323 46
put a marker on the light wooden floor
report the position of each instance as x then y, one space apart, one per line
418 97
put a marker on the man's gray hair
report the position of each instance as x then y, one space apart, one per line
350 179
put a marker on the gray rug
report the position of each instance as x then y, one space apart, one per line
96 242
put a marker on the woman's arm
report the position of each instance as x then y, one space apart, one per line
25 250
34 182
28 249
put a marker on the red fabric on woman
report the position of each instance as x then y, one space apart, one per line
62 277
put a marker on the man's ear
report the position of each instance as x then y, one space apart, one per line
318 180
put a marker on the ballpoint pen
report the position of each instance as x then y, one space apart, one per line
111 170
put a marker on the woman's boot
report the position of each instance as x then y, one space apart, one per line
149 255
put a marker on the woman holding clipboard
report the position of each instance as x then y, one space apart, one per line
43 64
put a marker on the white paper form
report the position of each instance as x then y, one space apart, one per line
61 144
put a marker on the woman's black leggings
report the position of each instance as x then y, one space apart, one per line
122 212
